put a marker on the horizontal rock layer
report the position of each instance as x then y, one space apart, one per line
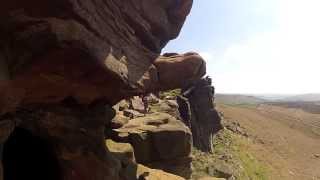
90 50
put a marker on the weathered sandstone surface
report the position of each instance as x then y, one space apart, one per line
64 63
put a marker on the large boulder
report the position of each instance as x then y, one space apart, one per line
177 70
130 169
89 50
159 141
122 151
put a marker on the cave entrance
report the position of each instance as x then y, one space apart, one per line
26 156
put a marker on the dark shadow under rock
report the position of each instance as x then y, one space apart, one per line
26 156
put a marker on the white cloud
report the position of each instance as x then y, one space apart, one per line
285 60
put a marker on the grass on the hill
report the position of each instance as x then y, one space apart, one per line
231 151
244 105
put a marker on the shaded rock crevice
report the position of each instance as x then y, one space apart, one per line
29 157
75 135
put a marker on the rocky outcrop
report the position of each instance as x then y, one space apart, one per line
197 110
89 50
176 71
145 173
123 151
71 141
166 106
130 169
64 63
159 141
136 103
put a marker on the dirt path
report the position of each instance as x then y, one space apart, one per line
283 139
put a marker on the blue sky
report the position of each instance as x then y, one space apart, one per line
256 46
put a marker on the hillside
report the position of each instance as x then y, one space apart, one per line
286 141
237 99
312 107
303 97
259 98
